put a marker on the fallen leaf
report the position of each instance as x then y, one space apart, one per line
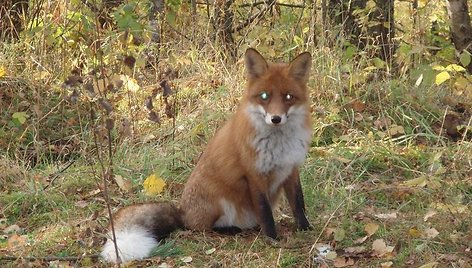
380 248
186 259
123 183
358 117
451 208
370 228
386 216
153 185
360 240
429 265
12 229
429 214
357 106
16 240
210 251
59 263
396 130
339 234
329 231
421 181
81 204
386 264
419 80
355 250
331 255
431 233
343 262
415 233
382 123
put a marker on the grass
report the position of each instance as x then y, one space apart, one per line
356 172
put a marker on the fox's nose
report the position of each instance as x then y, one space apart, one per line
276 119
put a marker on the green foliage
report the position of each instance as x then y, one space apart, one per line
167 249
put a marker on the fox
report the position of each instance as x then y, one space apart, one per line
254 157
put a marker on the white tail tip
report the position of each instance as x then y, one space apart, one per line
134 243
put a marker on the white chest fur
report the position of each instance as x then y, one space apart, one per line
279 148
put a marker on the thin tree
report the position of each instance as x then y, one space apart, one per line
460 27
377 32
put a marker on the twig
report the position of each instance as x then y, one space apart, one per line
251 19
105 187
56 174
324 228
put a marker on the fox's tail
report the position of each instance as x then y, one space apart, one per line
138 230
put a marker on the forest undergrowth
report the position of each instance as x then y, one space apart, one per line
107 118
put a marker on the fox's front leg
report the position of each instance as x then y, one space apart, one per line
293 191
261 205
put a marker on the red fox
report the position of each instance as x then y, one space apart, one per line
247 164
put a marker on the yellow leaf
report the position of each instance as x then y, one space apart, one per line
455 67
422 3
371 228
415 233
418 182
2 71
153 185
442 77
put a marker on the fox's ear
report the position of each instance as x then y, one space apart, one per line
256 65
300 67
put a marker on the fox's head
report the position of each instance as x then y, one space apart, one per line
276 91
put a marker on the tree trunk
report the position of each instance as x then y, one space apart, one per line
377 34
156 16
223 25
460 27
383 30
340 12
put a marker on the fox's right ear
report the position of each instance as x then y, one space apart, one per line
256 65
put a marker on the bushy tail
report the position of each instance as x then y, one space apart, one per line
139 228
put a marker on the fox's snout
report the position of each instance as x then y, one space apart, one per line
275 119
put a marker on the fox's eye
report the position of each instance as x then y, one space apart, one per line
264 95
288 97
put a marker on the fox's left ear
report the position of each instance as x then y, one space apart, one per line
300 66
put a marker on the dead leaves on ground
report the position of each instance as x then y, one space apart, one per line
371 245
347 256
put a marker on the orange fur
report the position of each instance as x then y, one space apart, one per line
227 167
